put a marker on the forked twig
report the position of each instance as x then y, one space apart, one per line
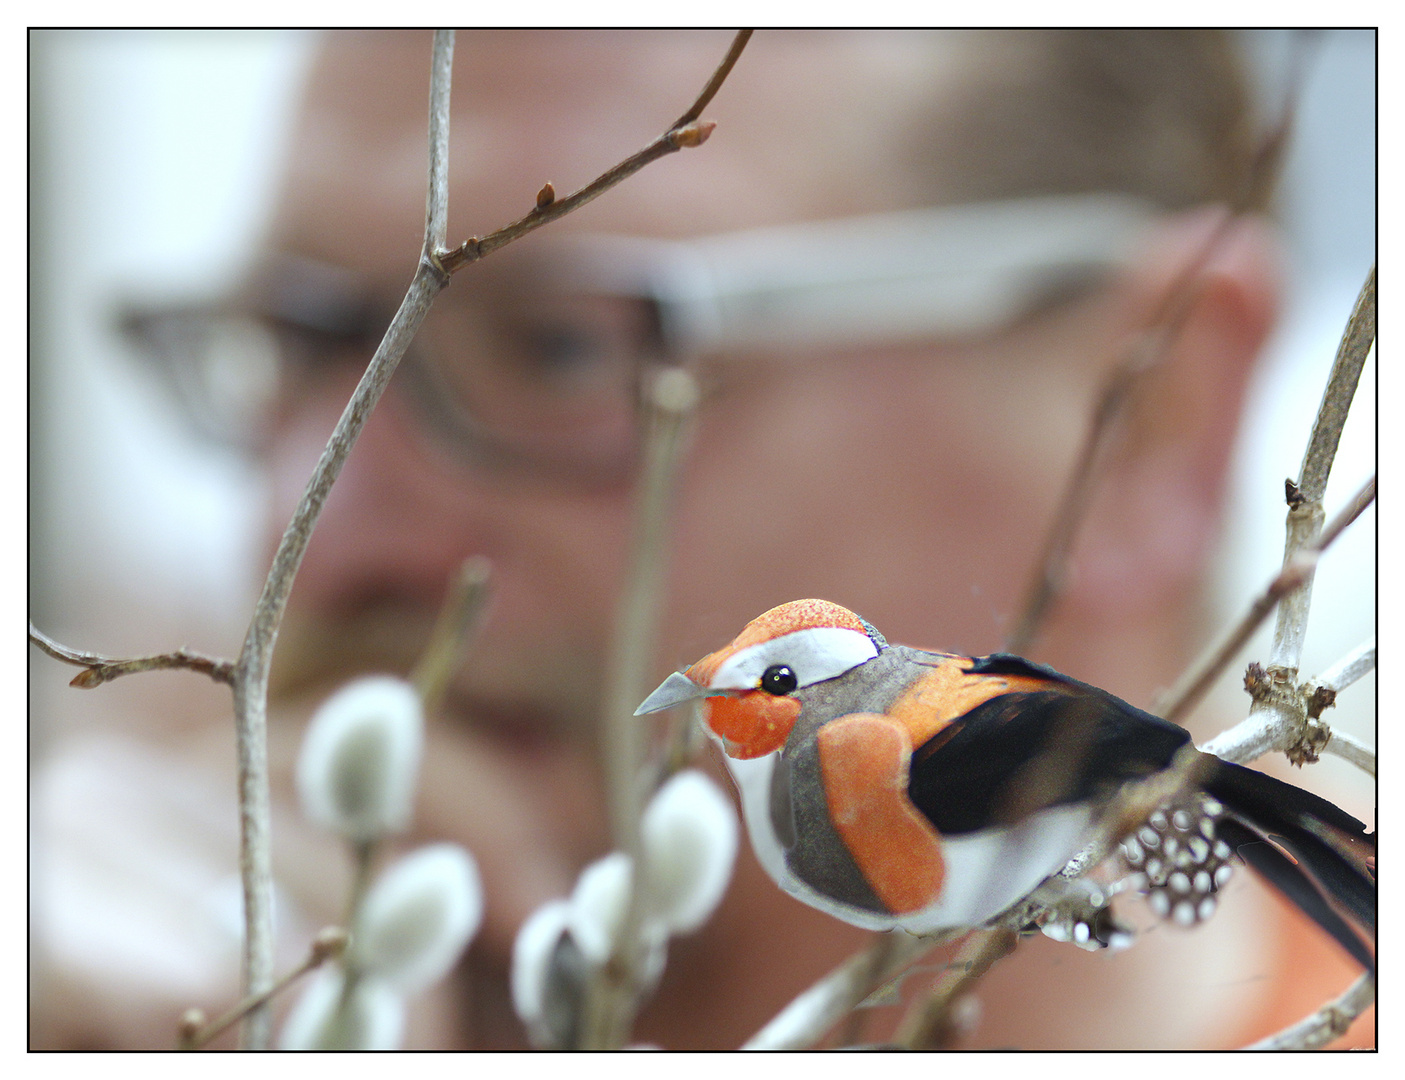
687 131
101 669
1178 701
196 1032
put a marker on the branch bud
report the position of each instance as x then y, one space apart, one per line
694 134
330 942
546 196
192 1023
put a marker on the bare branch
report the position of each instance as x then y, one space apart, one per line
330 942
436 212
1351 667
1352 749
1305 511
101 669
1186 693
251 676
1145 353
458 619
688 131
1355 345
671 400
714 84
931 1023
1327 1023
802 1023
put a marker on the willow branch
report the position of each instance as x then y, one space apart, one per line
931 1023
1146 353
1350 748
252 670
195 1032
671 400
1188 690
802 1023
101 669
687 131
1305 511
1329 1022
459 617
1354 665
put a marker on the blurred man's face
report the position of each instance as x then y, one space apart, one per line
909 484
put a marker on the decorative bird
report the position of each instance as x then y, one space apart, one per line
899 787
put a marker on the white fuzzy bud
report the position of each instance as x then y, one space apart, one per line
689 833
549 978
531 958
360 758
372 1018
416 920
598 905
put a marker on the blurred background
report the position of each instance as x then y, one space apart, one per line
153 161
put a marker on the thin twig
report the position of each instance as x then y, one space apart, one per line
436 208
930 1025
1327 1023
1176 702
1147 352
686 131
1305 512
195 1032
252 671
101 669
672 398
1354 665
1350 748
458 619
802 1023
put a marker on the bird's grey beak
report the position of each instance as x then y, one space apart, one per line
674 690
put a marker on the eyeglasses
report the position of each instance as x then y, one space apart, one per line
535 359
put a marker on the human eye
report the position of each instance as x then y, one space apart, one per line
572 346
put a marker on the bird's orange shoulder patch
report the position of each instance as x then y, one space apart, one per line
948 690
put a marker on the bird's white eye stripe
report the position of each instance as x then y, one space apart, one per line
816 654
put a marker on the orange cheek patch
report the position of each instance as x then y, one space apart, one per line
864 765
753 723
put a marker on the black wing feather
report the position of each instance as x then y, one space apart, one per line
1023 752
1026 751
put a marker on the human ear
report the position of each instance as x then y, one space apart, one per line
1155 518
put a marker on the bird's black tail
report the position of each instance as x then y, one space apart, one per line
1313 852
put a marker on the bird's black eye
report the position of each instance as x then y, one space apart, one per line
779 680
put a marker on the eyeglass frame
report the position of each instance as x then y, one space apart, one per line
938 273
